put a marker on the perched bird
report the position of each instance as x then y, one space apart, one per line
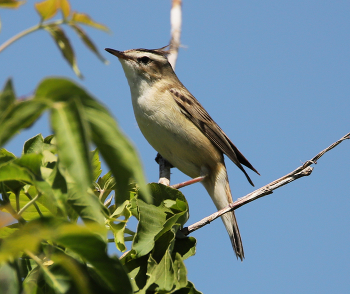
180 129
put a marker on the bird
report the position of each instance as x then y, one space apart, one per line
178 127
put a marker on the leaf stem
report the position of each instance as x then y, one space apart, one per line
28 31
30 203
35 205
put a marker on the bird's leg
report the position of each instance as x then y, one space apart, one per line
164 174
164 170
189 182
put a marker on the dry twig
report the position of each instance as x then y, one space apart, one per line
301 171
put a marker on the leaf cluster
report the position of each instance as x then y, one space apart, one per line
62 209
48 9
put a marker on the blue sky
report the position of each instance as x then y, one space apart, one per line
275 76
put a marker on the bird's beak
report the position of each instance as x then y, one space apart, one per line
119 54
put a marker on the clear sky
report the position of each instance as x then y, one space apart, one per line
275 76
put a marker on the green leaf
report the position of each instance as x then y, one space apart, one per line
117 151
64 45
96 165
7 98
20 116
118 229
47 9
34 145
87 41
161 274
32 162
158 218
71 132
13 172
106 185
31 212
7 231
47 198
74 269
186 247
87 20
11 3
30 283
6 156
115 148
82 240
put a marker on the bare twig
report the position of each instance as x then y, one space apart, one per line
301 171
175 22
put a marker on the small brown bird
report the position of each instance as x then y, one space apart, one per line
180 129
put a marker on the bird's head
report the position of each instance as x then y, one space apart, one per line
144 64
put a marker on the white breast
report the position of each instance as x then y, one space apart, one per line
170 132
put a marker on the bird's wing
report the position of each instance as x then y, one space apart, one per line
196 113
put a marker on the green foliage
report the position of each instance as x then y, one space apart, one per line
57 181
58 213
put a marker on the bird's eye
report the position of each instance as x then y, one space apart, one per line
143 59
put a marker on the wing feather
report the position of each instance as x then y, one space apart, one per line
196 113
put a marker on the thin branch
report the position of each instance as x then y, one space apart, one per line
301 171
175 22
27 32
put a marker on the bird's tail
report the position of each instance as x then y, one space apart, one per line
219 190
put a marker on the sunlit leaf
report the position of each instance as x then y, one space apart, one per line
96 165
87 20
34 145
65 7
47 9
107 184
88 42
11 3
64 45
